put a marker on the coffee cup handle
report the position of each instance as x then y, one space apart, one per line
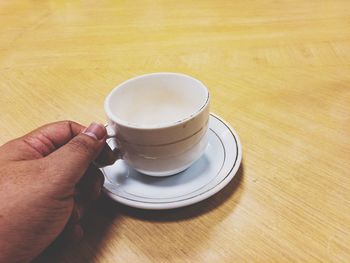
108 156
110 134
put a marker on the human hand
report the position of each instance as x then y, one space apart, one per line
46 183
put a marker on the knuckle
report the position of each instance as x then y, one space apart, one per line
68 122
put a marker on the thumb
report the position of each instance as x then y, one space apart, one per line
73 158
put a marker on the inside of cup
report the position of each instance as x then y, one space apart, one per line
156 100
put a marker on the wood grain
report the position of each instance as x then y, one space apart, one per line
278 71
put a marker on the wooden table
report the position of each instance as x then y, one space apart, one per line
278 71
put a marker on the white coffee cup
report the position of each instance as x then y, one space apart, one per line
159 122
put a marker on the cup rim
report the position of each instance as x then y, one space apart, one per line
123 123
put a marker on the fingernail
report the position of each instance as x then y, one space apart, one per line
95 130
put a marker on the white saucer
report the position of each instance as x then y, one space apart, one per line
205 177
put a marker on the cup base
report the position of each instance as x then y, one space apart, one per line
164 173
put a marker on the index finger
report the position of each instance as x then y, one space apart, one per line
58 133
42 141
